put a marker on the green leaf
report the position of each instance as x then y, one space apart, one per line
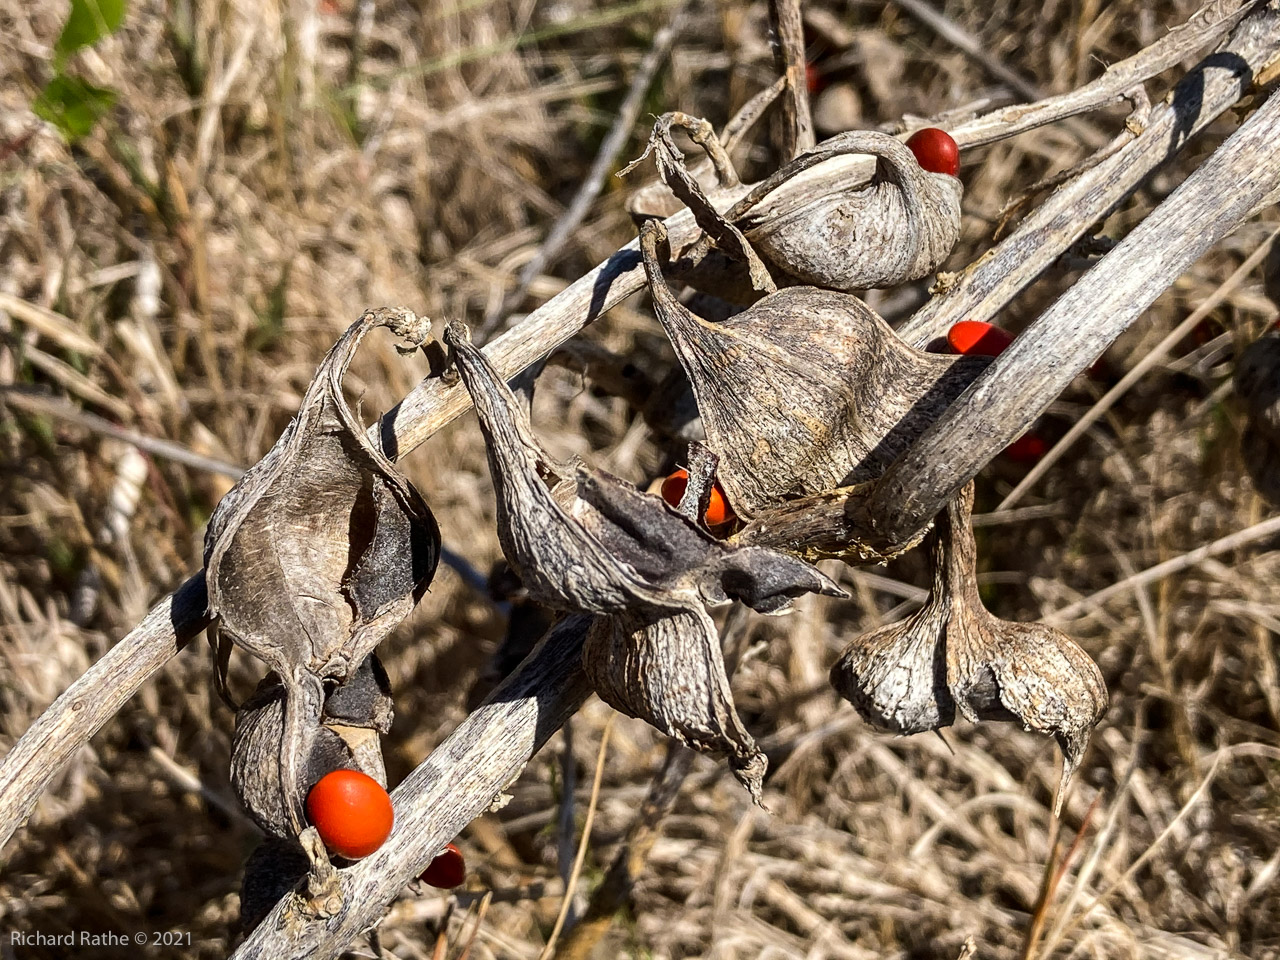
88 22
73 105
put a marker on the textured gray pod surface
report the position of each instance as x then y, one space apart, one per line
954 657
600 546
804 392
347 738
892 224
319 551
669 671
898 227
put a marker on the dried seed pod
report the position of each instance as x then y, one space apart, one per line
319 551
805 391
604 547
1257 383
353 716
668 670
954 655
896 224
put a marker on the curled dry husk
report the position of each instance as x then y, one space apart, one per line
355 713
318 552
804 393
598 545
890 222
1257 383
955 656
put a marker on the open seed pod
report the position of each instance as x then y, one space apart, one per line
319 551
1257 383
668 670
601 546
955 656
888 224
355 713
804 392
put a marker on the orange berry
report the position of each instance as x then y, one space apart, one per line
718 509
446 871
973 338
352 812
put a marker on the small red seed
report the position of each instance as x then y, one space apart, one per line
351 811
974 338
812 78
935 151
718 509
1028 449
447 870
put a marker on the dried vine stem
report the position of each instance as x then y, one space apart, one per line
94 698
452 787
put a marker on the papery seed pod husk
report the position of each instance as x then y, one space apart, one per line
896 223
805 391
954 656
353 715
668 670
320 550
608 548
900 226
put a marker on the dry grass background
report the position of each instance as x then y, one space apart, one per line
259 185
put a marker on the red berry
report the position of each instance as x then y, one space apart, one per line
935 151
446 871
718 509
973 338
1028 448
812 78
352 812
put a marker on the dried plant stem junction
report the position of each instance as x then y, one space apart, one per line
462 777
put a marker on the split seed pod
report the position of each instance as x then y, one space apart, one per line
804 392
955 656
1257 383
601 546
894 223
355 713
319 551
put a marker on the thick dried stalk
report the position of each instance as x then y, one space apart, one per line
453 786
1019 386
